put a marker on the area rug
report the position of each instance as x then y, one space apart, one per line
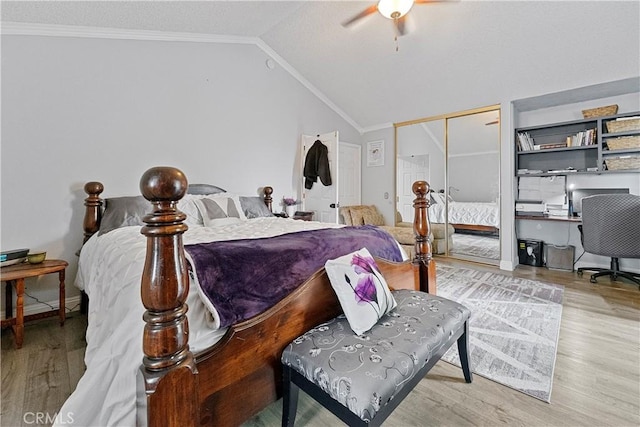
476 245
514 327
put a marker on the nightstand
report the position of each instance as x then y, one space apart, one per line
14 275
304 216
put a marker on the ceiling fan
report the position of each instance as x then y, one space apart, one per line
395 10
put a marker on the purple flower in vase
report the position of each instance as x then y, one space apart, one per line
288 201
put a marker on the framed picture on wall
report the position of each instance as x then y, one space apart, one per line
375 153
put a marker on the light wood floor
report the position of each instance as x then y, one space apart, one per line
596 378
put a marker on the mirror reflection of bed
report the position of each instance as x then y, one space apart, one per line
459 155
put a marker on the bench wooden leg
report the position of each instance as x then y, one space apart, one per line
289 398
463 352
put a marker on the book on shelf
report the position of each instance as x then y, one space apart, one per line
562 170
529 171
585 137
549 146
525 141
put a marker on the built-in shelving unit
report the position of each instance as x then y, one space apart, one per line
620 143
579 146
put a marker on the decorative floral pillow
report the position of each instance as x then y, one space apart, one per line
362 291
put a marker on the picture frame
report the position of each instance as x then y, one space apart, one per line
375 153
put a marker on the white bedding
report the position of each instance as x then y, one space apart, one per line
109 271
471 213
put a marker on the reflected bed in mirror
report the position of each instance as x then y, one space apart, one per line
480 217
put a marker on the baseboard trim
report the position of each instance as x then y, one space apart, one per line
71 304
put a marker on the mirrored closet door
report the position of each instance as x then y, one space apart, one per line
458 154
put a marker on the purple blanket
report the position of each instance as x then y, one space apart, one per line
243 278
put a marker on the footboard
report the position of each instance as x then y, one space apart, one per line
241 374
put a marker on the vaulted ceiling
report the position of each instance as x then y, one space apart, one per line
457 55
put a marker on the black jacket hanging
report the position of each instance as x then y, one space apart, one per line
316 165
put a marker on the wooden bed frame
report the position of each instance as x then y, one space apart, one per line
240 375
476 227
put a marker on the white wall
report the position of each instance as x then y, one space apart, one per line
378 182
83 109
475 177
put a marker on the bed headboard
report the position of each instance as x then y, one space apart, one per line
94 204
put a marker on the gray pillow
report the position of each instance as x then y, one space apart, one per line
122 212
204 189
254 207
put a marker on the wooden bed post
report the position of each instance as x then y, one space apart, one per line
421 228
168 367
268 191
93 209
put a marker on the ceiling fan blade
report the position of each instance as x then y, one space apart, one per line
368 11
401 25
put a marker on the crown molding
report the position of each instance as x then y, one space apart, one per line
374 128
51 30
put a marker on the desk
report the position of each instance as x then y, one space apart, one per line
14 275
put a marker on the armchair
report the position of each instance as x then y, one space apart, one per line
611 227
369 214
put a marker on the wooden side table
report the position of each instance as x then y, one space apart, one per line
304 216
14 275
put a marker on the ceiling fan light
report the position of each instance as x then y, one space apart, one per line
394 9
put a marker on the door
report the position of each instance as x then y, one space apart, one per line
349 166
320 199
411 168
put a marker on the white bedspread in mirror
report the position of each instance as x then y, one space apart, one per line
471 213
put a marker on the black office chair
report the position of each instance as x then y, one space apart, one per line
611 227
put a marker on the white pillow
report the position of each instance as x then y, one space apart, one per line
235 199
187 205
218 211
362 291
438 197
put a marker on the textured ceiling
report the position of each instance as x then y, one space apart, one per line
458 55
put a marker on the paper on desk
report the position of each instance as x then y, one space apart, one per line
549 189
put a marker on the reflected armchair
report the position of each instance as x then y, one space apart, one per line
403 233
611 227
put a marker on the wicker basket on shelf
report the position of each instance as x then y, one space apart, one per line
607 110
622 163
623 125
624 142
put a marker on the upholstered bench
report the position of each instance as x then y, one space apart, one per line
363 378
